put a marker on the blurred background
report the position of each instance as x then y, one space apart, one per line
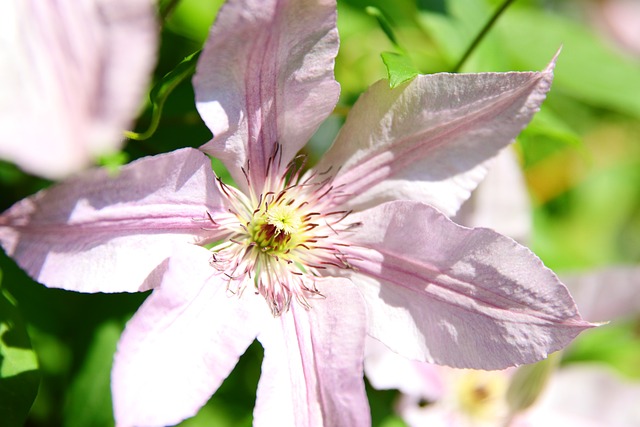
580 158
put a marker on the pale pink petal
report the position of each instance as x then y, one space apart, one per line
102 232
588 395
387 370
265 77
501 201
621 20
456 296
428 140
72 75
312 369
414 415
606 294
182 343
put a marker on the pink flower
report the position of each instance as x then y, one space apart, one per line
582 395
579 394
72 75
308 262
585 395
619 20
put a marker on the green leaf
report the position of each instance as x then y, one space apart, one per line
114 161
384 24
89 398
545 135
19 374
161 91
399 68
587 69
191 19
528 382
455 32
616 344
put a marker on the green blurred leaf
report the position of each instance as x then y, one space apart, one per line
393 421
455 32
19 375
161 91
217 414
546 134
587 68
193 18
9 173
546 122
399 68
435 6
528 382
384 23
88 400
616 344
114 161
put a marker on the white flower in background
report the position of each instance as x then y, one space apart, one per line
584 395
72 76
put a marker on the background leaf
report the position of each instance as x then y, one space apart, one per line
19 375
587 68
88 401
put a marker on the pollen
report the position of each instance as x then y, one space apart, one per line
276 227
285 219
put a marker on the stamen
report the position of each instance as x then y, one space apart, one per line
273 237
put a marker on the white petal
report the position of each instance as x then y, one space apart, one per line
588 395
501 201
182 343
451 295
427 141
100 232
606 294
266 77
312 369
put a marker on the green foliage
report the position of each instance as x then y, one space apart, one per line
88 401
587 69
617 344
19 375
399 68
384 23
191 18
528 382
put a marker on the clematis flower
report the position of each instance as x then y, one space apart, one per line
579 394
72 73
308 262
583 394
501 201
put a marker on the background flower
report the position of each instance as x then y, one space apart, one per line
585 394
72 77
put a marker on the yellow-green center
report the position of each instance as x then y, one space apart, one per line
276 229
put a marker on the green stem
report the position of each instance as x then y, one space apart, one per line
161 91
481 35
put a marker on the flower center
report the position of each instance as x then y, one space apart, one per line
281 240
481 394
276 229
